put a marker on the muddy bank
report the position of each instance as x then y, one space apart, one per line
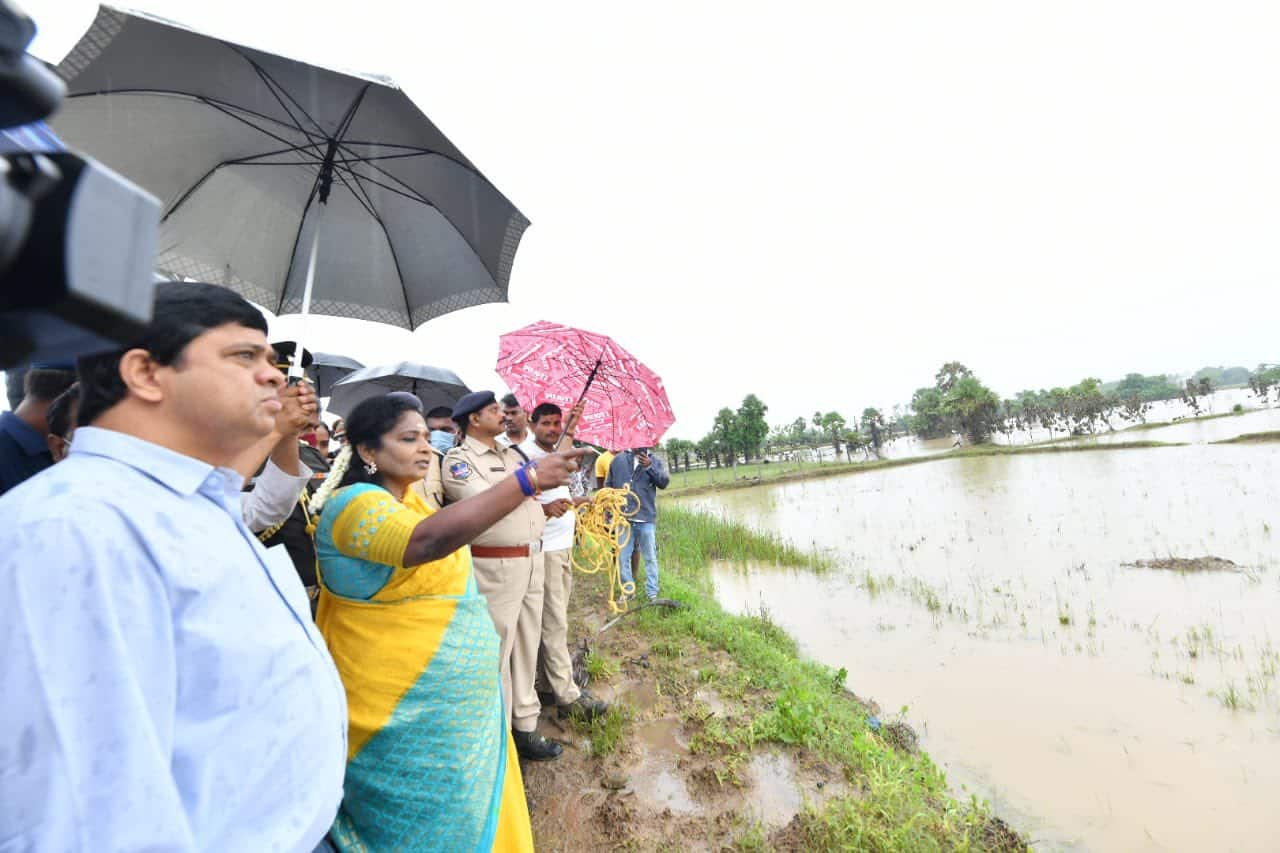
721 737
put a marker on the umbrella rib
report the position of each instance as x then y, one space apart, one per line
423 153
413 151
246 161
361 200
272 85
367 201
351 113
422 200
217 106
223 106
359 177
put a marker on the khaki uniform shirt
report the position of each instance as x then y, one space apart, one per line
472 467
431 487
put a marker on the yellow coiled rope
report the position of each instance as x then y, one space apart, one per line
603 528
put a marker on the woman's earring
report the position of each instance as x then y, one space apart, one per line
371 468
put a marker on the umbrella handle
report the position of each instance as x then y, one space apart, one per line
590 378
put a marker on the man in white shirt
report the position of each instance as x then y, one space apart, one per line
557 548
279 483
515 420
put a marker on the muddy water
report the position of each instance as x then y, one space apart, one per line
1091 702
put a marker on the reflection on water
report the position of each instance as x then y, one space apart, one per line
1097 705
1198 431
1183 426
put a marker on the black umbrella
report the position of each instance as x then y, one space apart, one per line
328 369
249 151
434 386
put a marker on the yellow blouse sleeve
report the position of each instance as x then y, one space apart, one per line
376 527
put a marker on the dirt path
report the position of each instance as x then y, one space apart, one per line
658 781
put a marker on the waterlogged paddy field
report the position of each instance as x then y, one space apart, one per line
1097 705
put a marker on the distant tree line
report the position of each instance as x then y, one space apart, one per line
959 404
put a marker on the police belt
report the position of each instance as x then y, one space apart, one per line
500 552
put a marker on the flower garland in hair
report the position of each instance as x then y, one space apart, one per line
336 473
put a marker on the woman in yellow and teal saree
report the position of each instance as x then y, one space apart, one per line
430 763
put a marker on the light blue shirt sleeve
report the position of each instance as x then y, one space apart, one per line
87 725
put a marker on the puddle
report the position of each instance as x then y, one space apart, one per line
663 735
660 786
712 700
641 695
775 797
779 792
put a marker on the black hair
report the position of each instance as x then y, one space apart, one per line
543 410
45 384
60 410
184 310
367 424
441 412
510 401
326 429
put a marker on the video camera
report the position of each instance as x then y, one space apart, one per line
77 241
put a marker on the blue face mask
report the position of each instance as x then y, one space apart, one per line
441 440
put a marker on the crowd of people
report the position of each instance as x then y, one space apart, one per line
232 627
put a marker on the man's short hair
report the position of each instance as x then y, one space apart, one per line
44 384
183 311
60 410
543 410
510 402
440 412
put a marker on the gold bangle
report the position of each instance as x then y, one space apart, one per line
533 479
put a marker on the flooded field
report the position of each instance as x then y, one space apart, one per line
1096 702
1181 426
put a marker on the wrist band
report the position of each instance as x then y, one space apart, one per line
522 477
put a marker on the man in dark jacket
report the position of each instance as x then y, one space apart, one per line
645 474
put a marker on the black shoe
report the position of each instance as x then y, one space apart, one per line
586 708
534 747
546 698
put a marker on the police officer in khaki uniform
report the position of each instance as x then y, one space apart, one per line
508 562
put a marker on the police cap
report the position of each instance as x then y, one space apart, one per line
473 402
285 351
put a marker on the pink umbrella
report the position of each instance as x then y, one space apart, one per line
626 405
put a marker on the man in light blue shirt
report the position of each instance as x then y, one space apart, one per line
164 686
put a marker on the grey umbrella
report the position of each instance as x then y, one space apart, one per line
434 386
327 369
249 151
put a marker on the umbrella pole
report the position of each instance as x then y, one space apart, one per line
324 183
295 368
590 378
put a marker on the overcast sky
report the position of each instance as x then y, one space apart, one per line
822 202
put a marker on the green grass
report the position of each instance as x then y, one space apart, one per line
695 538
1251 438
897 800
601 667
606 732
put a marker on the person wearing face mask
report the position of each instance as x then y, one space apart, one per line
443 436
